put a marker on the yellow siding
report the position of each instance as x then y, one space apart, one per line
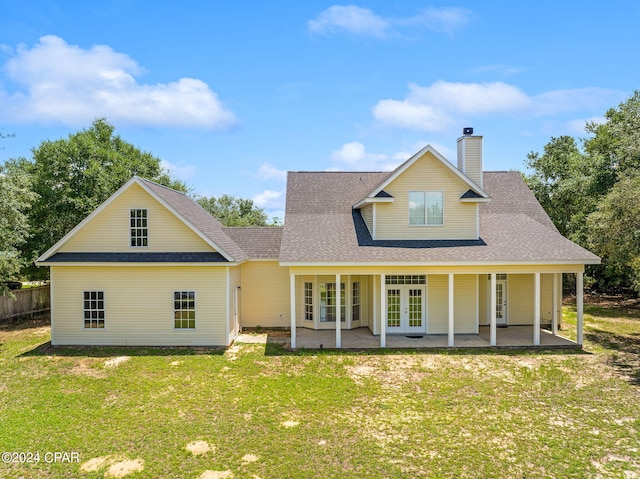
483 299
367 215
109 230
427 173
438 304
464 307
139 305
264 295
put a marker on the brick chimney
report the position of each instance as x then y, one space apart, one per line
470 155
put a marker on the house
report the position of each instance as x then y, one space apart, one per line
428 248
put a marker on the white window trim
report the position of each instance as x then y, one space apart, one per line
104 309
195 309
425 209
147 228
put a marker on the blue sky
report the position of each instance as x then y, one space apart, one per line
231 95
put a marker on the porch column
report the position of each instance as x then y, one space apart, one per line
536 309
492 317
451 322
292 292
383 318
338 313
579 307
554 317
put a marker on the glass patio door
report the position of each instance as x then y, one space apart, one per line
405 308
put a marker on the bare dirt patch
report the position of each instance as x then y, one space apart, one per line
124 468
198 448
88 367
216 475
115 362
247 458
290 424
96 463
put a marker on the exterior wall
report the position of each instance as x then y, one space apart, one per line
264 295
427 173
367 215
109 230
520 297
465 307
139 305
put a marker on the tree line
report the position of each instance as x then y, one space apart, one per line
590 187
43 197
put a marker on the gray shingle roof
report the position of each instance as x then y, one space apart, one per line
320 227
259 242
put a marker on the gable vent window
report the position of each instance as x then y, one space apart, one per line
426 208
138 228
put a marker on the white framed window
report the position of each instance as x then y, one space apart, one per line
138 227
426 208
355 301
93 308
184 309
328 302
308 301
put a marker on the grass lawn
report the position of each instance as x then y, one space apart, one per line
257 411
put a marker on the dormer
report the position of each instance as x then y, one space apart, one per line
428 198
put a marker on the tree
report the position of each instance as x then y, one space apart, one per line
232 211
591 195
15 199
73 176
615 233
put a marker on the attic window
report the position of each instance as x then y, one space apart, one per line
139 233
426 208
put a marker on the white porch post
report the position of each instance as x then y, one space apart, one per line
579 307
536 310
292 292
554 317
383 316
492 317
338 313
451 322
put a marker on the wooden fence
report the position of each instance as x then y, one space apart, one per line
27 302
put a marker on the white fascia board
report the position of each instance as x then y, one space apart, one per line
442 159
367 200
475 200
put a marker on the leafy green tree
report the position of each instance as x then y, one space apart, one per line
15 199
73 176
615 233
232 211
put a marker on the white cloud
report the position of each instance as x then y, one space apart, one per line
67 84
269 172
442 104
182 172
270 200
350 19
363 21
577 127
354 157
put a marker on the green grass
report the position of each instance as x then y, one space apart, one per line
389 414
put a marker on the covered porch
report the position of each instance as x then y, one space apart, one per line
362 338
439 309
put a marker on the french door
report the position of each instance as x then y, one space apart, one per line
406 308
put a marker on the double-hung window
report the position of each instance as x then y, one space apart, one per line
184 309
426 208
93 309
138 227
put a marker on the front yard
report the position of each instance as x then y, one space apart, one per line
257 411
